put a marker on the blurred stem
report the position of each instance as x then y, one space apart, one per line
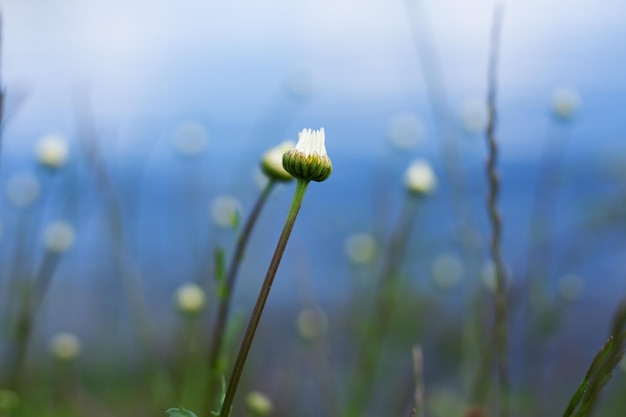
418 370
500 297
31 305
130 275
382 311
233 382
217 339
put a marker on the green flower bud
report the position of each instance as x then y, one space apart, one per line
272 162
259 404
308 160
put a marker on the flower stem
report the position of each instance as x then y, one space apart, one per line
500 297
233 382
217 341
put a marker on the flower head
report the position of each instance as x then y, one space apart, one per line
308 160
312 323
272 162
58 237
226 211
65 347
190 299
565 103
191 138
52 151
361 248
420 178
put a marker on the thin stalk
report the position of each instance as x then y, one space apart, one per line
31 305
382 311
233 382
500 302
217 339
418 371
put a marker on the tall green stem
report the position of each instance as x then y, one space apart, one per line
233 382
217 341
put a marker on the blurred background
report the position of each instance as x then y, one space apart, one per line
131 140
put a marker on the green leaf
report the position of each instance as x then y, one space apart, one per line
180 412
222 396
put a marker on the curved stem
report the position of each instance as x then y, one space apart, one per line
233 382
500 301
217 340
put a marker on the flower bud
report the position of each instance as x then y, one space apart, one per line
272 162
58 237
190 299
308 160
420 178
65 347
565 103
51 151
259 404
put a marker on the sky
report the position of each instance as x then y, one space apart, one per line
162 62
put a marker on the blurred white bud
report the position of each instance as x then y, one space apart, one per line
311 323
474 116
406 130
52 151
58 236
447 271
570 287
565 102
225 211
272 162
361 248
65 347
190 299
190 139
23 190
420 178
259 404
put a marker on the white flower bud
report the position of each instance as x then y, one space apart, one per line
58 237
309 160
52 151
272 162
225 211
190 299
565 103
190 139
312 323
447 271
420 178
361 248
65 347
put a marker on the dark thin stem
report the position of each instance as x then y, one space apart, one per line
217 340
494 216
233 382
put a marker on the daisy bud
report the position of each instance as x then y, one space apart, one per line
308 160
272 162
